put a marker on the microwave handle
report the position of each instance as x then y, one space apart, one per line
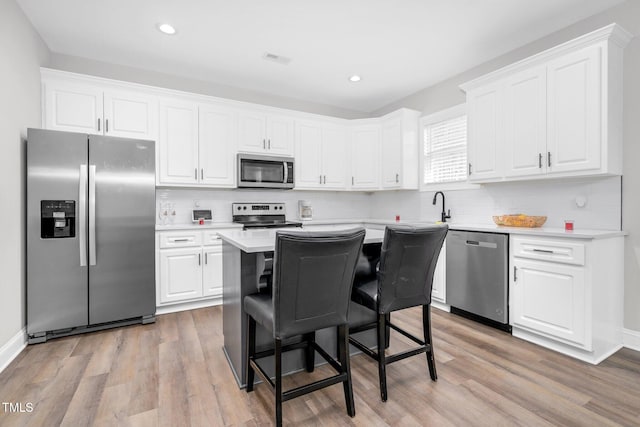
286 171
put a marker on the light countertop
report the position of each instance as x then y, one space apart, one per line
265 239
194 226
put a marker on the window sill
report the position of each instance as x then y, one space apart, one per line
449 186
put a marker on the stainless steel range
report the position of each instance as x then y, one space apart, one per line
261 215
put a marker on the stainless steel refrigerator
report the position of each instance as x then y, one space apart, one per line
90 233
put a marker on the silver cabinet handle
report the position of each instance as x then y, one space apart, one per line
82 213
469 169
195 173
206 258
325 179
264 144
544 251
397 178
515 273
320 179
180 240
106 125
199 259
352 181
92 214
540 160
98 125
269 144
202 174
549 158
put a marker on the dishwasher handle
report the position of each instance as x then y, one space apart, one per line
477 243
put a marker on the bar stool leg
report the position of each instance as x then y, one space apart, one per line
278 360
310 352
382 373
343 354
426 329
251 351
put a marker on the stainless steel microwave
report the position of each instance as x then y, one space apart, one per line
256 171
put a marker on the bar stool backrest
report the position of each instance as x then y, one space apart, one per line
407 263
313 276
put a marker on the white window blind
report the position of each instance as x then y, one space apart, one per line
445 151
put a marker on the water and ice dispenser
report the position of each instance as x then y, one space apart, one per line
57 219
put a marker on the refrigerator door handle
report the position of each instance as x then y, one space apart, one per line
82 214
92 214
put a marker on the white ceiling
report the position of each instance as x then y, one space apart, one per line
397 46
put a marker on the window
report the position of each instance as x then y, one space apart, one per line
445 146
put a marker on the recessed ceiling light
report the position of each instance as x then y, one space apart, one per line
355 78
167 29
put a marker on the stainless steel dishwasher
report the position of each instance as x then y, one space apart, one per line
477 276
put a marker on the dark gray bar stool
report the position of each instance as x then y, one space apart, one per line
404 279
312 280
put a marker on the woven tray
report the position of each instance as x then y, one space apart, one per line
520 220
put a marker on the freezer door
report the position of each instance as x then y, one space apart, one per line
56 264
121 229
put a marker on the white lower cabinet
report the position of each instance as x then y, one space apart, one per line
567 294
189 266
439 289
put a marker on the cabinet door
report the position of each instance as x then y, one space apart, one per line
73 108
178 142
212 272
574 111
334 158
180 274
391 153
525 142
252 129
550 298
365 157
280 135
217 146
130 115
485 132
308 155
439 289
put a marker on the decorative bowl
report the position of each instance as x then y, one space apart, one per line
519 220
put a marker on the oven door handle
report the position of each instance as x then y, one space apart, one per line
286 172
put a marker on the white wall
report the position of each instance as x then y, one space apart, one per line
22 51
554 199
326 204
447 94
154 78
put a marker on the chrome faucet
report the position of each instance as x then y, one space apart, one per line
443 215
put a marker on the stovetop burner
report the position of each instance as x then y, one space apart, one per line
261 215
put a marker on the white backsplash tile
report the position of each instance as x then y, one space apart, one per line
553 198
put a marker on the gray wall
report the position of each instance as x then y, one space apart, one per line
154 78
22 52
447 94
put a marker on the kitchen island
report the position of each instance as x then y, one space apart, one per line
247 261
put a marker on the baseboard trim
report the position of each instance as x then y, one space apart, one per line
12 348
631 339
192 305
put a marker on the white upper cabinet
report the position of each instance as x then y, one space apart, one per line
321 153
525 146
217 145
399 150
365 157
558 113
197 144
265 133
178 142
79 107
575 111
485 132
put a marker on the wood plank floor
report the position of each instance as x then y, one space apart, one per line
174 373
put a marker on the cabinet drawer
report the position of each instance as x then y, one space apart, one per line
211 238
180 239
555 250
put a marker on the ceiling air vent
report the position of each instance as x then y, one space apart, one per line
276 58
